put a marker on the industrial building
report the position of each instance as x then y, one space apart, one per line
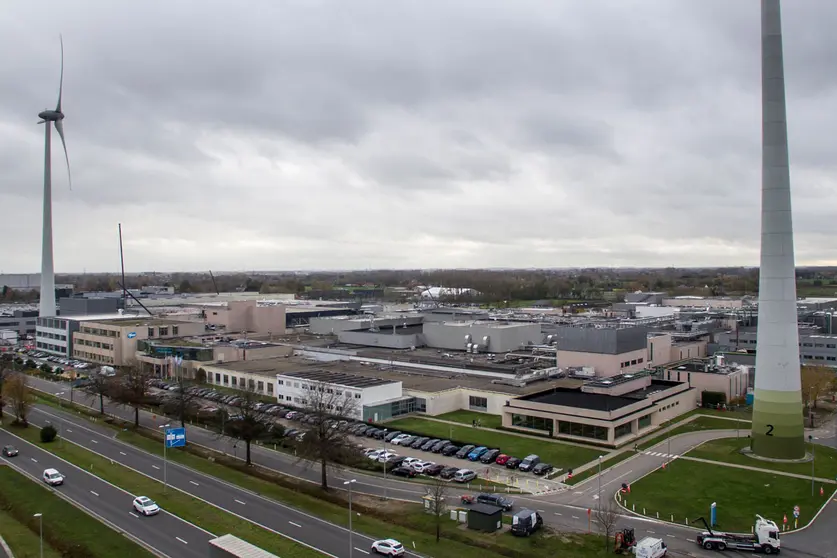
54 335
113 341
481 336
814 348
715 374
610 411
608 350
21 320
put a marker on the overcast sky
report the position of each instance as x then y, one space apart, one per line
350 134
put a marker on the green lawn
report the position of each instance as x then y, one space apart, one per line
700 423
560 455
687 489
182 505
22 540
727 450
66 528
592 471
467 417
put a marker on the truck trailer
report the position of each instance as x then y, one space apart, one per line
765 538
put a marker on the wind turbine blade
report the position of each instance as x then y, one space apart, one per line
61 82
59 125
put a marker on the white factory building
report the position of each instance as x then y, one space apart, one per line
482 336
294 388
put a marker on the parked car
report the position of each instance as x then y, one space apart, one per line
388 547
403 472
496 500
390 436
422 466
464 451
529 462
397 462
10 451
379 434
489 456
464 475
386 456
429 444
439 446
476 453
526 522
448 472
374 454
513 462
52 477
418 442
450 450
434 470
409 461
542 468
403 440
501 459
144 505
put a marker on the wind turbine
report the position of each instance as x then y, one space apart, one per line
47 302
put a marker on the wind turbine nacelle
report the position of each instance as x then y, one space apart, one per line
51 115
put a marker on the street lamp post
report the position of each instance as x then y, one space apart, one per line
165 457
813 458
40 517
385 463
349 484
600 487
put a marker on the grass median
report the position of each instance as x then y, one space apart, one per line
468 417
400 520
560 455
686 490
728 450
182 505
68 531
696 425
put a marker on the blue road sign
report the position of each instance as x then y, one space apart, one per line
175 437
713 514
132 334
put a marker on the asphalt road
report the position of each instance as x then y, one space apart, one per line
294 524
566 510
165 534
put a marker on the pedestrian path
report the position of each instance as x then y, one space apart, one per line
660 454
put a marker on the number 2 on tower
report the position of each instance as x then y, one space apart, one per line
770 430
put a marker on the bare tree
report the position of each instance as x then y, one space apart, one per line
607 516
17 396
6 369
246 422
436 493
323 441
183 402
131 389
100 386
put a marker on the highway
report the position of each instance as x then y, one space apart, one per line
566 510
164 534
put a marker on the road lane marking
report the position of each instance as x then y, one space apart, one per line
181 540
240 502
361 550
294 524
156 467
68 430
122 453
542 511
94 441
193 482
575 517
94 493
650 531
691 540
135 515
672 536
33 459
558 513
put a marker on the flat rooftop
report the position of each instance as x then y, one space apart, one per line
576 398
487 323
339 378
137 322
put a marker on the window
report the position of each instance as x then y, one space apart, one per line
174 330
226 379
251 384
234 380
150 332
270 388
831 358
261 386
807 344
280 397
644 422
357 396
477 403
830 346
582 430
535 423
164 331
622 430
280 382
421 405
640 360
633 362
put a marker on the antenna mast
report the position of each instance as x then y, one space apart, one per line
122 263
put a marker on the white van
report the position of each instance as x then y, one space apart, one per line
649 547
464 475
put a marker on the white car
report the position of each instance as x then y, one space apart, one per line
53 478
145 505
409 461
422 466
398 439
386 457
388 547
464 475
374 455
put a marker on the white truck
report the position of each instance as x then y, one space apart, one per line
649 547
765 538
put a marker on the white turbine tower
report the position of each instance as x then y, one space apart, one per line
47 303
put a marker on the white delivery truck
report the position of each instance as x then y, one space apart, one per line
765 538
649 547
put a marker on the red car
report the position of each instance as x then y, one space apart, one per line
501 459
